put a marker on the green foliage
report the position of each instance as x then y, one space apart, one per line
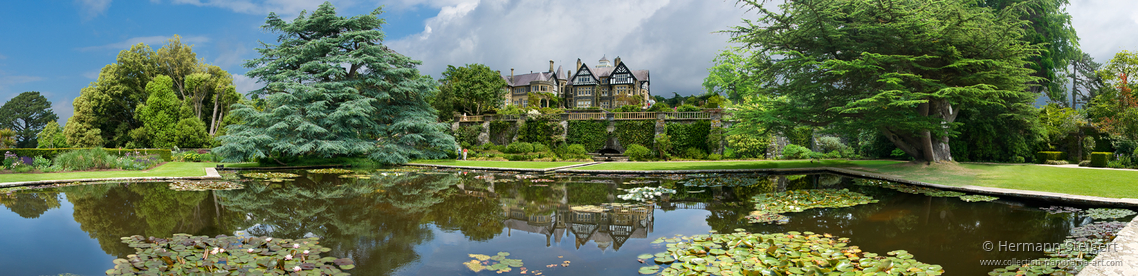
905 75
1099 159
1088 144
191 133
1049 26
635 132
7 138
27 114
471 90
51 137
731 74
590 134
801 136
99 159
519 147
999 133
792 151
105 110
40 162
690 135
637 152
501 132
1044 156
163 154
687 108
714 156
468 134
357 98
663 145
628 108
748 146
539 131
831 143
1059 123
160 114
576 149
694 153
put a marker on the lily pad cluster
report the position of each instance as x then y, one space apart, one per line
270 175
717 180
356 176
908 189
978 198
205 185
1104 213
498 263
1068 258
790 253
185 254
330 171
645 193
768 206
945 194
1060 209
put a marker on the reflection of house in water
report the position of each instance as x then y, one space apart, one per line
609 225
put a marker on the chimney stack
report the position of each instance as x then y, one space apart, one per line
578 64
511 74
551 66
617 61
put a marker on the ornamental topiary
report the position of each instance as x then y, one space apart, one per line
1100 159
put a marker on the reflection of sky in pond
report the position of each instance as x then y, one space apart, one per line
427 225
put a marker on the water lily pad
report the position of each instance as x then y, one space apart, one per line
270 175
649 269
204 185
1103 213
769 205
944 194
645 193
977 198
330 171
186 254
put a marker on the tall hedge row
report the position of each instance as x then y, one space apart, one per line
690 135
50 153
635 132
591 134
539 131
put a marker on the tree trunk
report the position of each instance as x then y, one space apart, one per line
923 146
213 119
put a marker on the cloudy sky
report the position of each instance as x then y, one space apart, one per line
58 47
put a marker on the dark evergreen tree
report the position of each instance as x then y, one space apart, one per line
333 89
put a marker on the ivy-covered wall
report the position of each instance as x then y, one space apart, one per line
468 135
591 134
539 131
689 135
502 132
635 132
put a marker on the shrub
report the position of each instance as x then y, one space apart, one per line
1084 163
188 156
635 132
714 156
39 162
84 159
11 160
638 153
748 146
539 131
22 169
693 135
1057 162
1044 156
663 144
519 147
576 149
831 144
1100 159
792 151
539 147
468 135
1088 144
687 108
1017 159
1121 162
694 153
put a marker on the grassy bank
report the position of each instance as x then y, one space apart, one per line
1075 181
170 169
499 164
731 165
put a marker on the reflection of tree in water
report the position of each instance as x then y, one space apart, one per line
376 222
31 204
110 211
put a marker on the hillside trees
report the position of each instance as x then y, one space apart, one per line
469 89
904 68
26 114
105 110
333 89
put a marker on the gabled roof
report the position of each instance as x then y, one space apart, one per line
525 79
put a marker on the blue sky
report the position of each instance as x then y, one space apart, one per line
58 47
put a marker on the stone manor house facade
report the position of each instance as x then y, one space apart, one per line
607 85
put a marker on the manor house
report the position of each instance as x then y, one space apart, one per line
608 85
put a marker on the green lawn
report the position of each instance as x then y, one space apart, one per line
1076 181
170 169
499 164
727 165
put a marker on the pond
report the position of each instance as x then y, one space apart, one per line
407 222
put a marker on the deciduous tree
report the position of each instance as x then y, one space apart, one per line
26 114
160 114
51 137
905 68
730 75
333 89
473 88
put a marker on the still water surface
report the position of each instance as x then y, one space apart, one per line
427 223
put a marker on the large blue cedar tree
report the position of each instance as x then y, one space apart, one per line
333 89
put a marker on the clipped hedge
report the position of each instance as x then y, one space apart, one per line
640 132
684 136
1044 156
638 153
51 153
539 131
1100 159
590 134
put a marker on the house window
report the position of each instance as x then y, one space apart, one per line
584 80
605 91
584 103
521 90
605 105
623 78
622 90
584 91
544 88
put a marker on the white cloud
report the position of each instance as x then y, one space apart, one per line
245 84
6 81
230 54
149 40
92 8
92 74
674 39
1105 27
